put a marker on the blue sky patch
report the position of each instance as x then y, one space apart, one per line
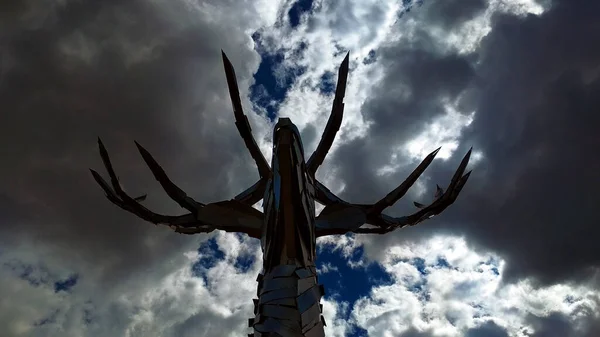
359 332
371 57
327 84
442 263
419 263
272 80
67 284
244 262
420 290
408 5
356 283
210 255
300 7
34 275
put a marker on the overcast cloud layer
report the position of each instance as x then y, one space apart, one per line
519 80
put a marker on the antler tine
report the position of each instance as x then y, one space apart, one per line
252 194
458 175
401 190
325 196
192 230
334 122
172 190
110 194
241 120
437 206
456 185
118 197
460 185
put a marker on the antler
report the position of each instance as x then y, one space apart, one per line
350 217
230 215
253 194
333 123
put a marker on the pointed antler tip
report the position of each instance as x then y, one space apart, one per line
102 147
345 64
96 175
145 154
224 56
140 148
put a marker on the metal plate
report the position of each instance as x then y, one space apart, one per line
277 294
289 301
275 328
305 284
280 312
277 283
281 271
308 298
309 315
316 331
303 273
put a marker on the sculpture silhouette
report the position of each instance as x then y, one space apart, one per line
288 294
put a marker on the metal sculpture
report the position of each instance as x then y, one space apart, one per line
288 294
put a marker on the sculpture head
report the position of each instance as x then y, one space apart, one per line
288 233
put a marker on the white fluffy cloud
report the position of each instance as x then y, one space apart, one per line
444 287
180 301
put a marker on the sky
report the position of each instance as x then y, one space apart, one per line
517 80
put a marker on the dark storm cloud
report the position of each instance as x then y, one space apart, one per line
124 71
535 86
537 123
418 79
489 329
557 325
448 14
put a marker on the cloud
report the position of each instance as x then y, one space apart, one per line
124 71
516 79
443 287
522 93
175 302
